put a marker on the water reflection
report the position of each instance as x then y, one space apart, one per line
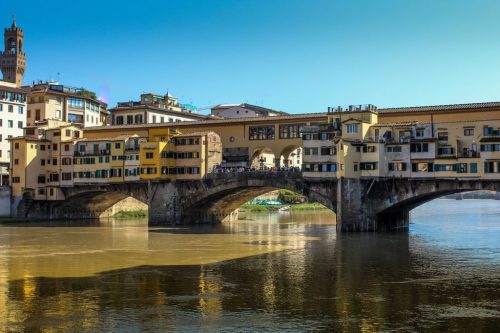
293 273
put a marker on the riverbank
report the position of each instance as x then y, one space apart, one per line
15 219
133 214
274 208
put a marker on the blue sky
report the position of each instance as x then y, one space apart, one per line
292 55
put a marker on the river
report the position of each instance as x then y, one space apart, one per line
271 273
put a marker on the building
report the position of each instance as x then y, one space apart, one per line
13 58
175 156
51 100
13 102
42 160
153 109
244 110
427 142
53 154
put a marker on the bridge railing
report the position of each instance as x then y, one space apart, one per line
254 175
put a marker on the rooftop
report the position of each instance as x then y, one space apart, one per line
446 107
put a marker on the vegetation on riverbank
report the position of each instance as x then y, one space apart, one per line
274 208
133 214
14 219
290 197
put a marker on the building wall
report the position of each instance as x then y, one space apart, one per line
12 123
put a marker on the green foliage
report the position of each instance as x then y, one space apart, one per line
308 206
87 93
290 197
131 214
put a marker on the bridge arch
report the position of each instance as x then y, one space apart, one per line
216 206
89 202
263 157
391 200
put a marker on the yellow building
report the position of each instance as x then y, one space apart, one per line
42 159
169 155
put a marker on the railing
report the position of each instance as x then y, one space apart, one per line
254 175
470 154
101 152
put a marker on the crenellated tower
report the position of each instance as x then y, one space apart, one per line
13 59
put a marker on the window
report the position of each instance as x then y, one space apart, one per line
468 131
10 123
54 161
41 179
130 119
419 133
352 128
369 149
66 147
19 124
149 155
54 147
16 180
16 161
66 176
138 119
461 167
368 166
119 120
118 145
421 167
397 166
446 151
11 108
75 103
20 109
58 114
42 162
154 119
261 133
394 149
473 168
419 147
290 131
37 114
443 136
444 167
16 145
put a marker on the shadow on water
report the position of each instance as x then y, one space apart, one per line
342 283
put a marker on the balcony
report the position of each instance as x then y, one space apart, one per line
469 154
101 152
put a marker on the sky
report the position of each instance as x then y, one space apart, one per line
296 56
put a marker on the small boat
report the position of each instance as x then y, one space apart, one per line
284 209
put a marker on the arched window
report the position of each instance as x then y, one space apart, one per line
11 43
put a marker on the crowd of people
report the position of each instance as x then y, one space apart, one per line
225 169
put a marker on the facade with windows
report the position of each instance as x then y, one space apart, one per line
12 120
42 160
54 101
152 109
369 148
53 155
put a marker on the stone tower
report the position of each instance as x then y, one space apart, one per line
13 59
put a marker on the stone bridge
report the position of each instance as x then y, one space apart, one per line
377 204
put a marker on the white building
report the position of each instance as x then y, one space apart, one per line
12 121
153 109
244 110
